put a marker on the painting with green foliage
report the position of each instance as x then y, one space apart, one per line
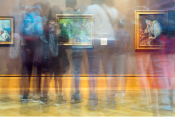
77 30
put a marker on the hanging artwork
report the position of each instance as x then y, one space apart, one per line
74 29
149 29
6 30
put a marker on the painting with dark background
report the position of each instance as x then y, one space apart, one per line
161 18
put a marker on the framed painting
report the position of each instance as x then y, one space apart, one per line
6 30
75 29
149 28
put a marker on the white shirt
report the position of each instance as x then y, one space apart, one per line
102 25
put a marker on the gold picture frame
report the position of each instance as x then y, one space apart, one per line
145 41
72 41
6 30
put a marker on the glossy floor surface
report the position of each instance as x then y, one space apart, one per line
129 105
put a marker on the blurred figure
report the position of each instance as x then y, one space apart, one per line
27 57
122 43
159 60
76 54
59 63
105 18
170 50
39 24
32 34
59 66
144 66
170 58
160 82
45 57
143 61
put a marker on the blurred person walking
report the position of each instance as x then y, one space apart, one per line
105 18
122 42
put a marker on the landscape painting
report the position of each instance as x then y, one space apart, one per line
75 29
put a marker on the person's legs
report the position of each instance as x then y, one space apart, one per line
119 70
159 61
23 70
28 55
95 55
37 83
39 79
57 77
171 68
46 86
90 55
46 60
60 100
155 102
37 64
58 81
25 81
25 84
108 62
94 62
142 60
77 60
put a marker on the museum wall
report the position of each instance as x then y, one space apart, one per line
125 9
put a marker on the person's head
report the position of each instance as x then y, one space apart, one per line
71 4
148 22
121 24
46 11
45 6
55 9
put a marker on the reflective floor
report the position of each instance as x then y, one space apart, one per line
127 105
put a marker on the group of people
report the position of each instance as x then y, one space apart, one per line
40 49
